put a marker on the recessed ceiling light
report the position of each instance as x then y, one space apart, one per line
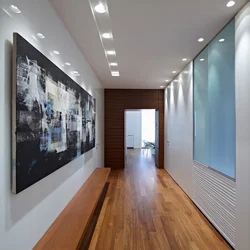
115 73
76 73
100 8
34 37
162 87
230 3
110 52
184 59
107 35
174 72
202 59
221 40
113 64
67 63
40 35
15 9
201 40
56 52
166 80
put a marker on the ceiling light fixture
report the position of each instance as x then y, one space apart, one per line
174 72
110 52
75 73
200 40
230 4
162 87
40 35
56 52
115 73
34 37
107 35
113 64
100 8
166 80
67 63
221 40
15 9
184 59
202 59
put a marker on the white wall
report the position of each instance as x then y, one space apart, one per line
133 126
179 129
173 125
25 217
242 93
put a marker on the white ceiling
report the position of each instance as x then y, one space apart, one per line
150 36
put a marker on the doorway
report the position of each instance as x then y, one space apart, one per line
141 133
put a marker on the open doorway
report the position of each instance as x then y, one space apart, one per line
141 133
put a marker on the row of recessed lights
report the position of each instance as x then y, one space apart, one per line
14 9
101 9
200 40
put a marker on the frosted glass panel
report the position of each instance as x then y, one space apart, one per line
214 103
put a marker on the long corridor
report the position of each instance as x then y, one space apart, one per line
145 209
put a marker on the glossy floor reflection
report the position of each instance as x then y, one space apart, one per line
145 209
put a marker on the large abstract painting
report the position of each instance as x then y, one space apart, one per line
53 117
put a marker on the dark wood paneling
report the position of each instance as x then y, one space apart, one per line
116 102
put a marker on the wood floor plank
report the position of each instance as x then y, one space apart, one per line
145 209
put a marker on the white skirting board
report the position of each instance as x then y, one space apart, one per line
215 195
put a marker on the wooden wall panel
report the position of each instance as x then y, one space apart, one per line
116 102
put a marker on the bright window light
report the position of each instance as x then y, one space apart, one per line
148 125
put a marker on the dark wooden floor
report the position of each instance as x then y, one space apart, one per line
145 209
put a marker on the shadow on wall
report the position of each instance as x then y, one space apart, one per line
17 206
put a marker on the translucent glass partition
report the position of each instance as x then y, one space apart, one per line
214 103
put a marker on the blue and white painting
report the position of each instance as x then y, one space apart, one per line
53 117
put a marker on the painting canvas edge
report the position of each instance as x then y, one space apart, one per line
14 79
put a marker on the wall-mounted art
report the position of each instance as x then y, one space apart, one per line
53 117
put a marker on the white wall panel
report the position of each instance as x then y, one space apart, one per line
242 92
179 129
